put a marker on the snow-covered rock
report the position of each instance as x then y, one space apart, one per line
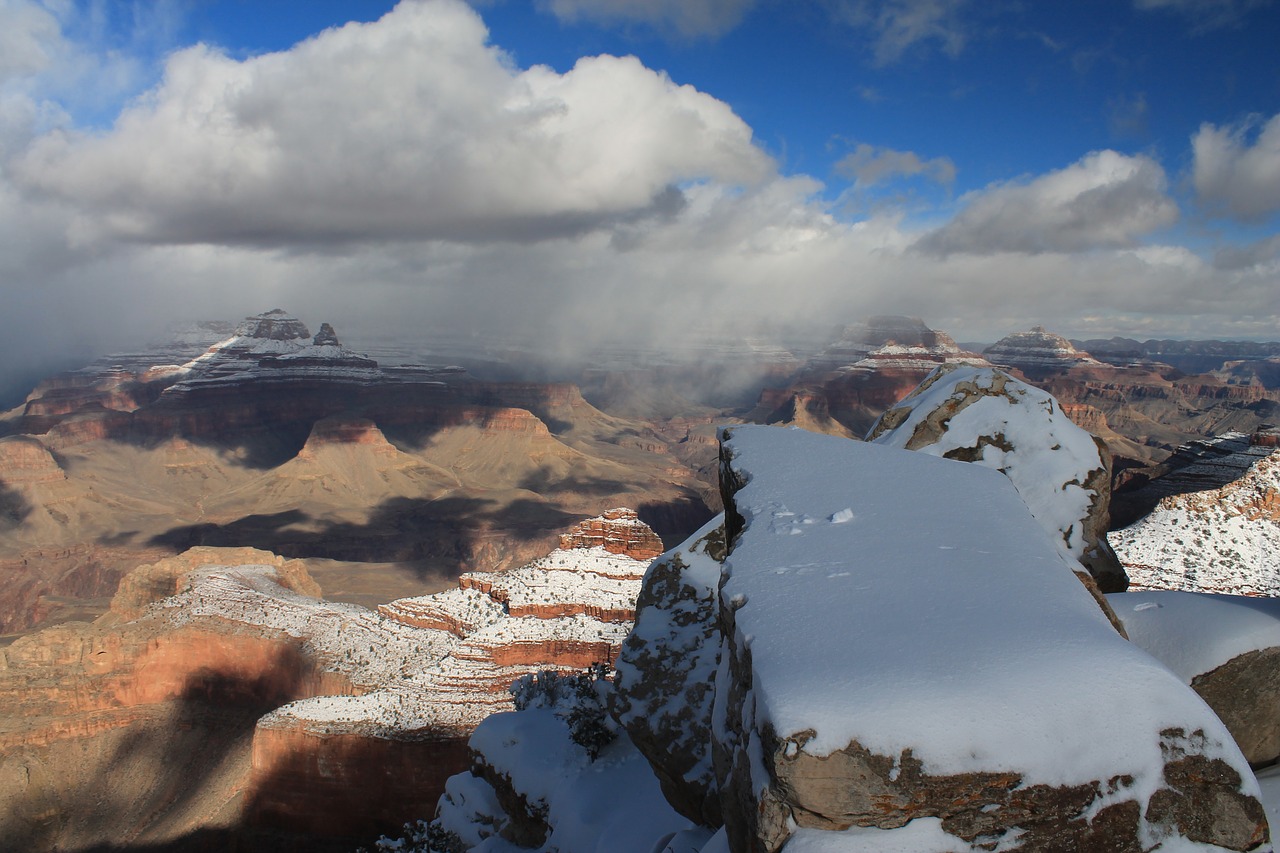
947 680
891 341
1036 351
1226 647
1217 529
985 416
533 788
666 671
275 346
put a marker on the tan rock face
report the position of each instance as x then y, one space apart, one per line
1245 693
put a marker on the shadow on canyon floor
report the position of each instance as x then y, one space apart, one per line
183 763
14 508
446 534
450 535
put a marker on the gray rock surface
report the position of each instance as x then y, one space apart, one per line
666 673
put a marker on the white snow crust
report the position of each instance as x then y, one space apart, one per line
941 619
611 805
1194 633
1218 540
1050 456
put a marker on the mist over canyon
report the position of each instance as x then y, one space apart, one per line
163 510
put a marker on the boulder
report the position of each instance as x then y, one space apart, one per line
907 659
1226 647
666 671
985 416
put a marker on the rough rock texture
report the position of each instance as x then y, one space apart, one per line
346 722
1245 692
666 672
1226 647
910 720
1206 537
618 531
985 416
153 582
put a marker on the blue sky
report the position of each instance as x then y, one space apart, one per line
585 171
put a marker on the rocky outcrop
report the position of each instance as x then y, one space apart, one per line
1226 647
347 722
666 673
618 531
886 734
987 417
1036 351
1207 537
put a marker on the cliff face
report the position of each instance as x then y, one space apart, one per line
277 440
1141 408
1216 522
330 721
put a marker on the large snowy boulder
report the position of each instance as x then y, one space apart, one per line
666 671
1227 647
908 660
983 415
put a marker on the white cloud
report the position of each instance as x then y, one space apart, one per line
686 18
411 127
896 26
1233 173
1106 200
29 36
870 165
405 174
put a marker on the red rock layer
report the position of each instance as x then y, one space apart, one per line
618 531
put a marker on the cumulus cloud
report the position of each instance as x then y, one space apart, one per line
896 26
1106 200
869 165
411 127
686 18
1237 167
407 176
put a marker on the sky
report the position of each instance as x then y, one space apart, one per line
582 172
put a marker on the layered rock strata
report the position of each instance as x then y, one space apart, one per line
1036 351
349 721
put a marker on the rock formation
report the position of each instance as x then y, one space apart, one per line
985 416
1226 647
1035 352
666 673
947 686
276 439
881 716
1216 526
852 381
349 720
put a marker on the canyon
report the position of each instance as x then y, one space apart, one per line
170 517
304 724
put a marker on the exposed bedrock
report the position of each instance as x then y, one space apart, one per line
987 417
979 691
